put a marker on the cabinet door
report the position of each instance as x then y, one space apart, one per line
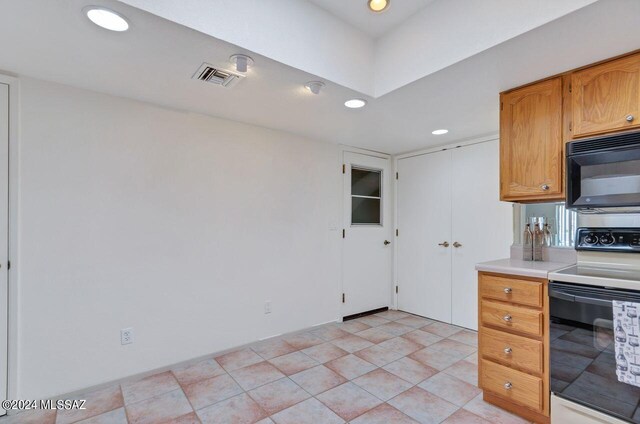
531 145
424 238
606 97
482 225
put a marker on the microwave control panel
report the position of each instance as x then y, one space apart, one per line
608 239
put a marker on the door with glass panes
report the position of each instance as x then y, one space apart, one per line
367 234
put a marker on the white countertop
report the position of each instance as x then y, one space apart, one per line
519 267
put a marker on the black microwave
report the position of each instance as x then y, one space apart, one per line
603 173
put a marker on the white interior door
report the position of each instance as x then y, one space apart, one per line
4 221
424 225
366 275
481 225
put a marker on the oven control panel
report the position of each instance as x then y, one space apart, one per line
608 239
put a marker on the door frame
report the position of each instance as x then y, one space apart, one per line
12 275
391 198
394 170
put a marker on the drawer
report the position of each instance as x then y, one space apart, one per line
513 385
511 317
512 350
510 289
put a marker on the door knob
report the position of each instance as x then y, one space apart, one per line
629 118
387 242
456 244
444 244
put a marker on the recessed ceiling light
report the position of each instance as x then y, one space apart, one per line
355 103
439 132
106 18
378 5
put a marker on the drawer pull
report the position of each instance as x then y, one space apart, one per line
508 385
507 318
507 290
507 350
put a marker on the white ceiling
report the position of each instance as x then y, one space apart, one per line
155 60
302 35
357 14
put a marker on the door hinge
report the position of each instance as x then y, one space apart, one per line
343 233
501 106
570 88
396 289
396 232
396 175
8 264
344 168
343 298
570 126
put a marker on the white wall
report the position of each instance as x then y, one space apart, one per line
176 224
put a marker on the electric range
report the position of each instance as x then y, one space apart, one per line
583 357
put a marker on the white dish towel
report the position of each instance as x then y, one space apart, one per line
626 332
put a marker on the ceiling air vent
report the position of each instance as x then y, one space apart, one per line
208 73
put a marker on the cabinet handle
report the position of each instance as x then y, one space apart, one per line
629 118
444 244
507 318
507 350
545 187
507 290
508 385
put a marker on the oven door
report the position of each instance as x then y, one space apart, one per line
604 179
582 356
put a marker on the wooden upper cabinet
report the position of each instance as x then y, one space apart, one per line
606 97
531 143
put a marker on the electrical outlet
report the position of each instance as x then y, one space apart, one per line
126 336
267 307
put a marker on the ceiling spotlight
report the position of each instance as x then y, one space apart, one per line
355 103
314 86
106 18
378 5
242 62
439 132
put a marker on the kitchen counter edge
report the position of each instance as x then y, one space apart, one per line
521 268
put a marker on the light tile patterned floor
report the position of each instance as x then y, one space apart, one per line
391 367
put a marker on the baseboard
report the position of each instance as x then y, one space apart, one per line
364 314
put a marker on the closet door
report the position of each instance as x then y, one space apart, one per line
481 226
424 238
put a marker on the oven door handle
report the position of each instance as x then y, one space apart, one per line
562 295
594 301
579 299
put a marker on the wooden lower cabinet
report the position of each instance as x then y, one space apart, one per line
517 386
513 344
513 351
509 317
